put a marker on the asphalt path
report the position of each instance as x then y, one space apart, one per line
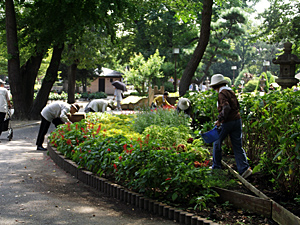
34 190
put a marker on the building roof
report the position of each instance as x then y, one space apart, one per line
105 72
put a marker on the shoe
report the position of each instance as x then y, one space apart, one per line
41 148
247 173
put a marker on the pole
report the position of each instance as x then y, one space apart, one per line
175 75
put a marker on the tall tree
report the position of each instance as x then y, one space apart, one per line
229 27
200 49
13 53
62 21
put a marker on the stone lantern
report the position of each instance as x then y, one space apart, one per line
287 62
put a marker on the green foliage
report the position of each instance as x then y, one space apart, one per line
176 174
62 96
169 86
168 136
251 85
271 136
142 71
204 109
159 117
229 26
271 133
95 95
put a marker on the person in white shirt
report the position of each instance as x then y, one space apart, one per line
99 105
118 97
55 112
4 103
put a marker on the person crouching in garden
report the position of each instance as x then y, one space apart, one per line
231 124
161 101
55 112
184 104
99 105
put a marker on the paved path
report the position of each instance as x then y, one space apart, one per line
33 190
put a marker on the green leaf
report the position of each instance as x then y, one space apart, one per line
174 196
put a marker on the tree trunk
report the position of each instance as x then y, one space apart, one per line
200 49
71 83
48 81
29 72
13 65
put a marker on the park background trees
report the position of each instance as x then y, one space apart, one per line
85 35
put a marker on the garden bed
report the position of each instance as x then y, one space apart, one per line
154 153
222 213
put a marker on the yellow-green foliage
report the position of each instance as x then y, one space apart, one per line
168 136
114 125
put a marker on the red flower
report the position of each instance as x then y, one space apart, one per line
108 150
69 142
115 166
125 147
99 128
169 178
120 157
76 127
190 140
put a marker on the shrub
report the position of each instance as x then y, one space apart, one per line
160 117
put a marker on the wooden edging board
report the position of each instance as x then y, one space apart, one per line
125 195
278 213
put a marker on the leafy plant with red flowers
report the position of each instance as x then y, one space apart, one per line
147 163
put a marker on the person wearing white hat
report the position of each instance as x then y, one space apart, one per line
55 112
184 104
99 105
4 103
231 124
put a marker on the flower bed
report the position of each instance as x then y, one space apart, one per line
162 162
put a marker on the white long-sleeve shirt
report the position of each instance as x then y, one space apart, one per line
56 110
4 98
98 105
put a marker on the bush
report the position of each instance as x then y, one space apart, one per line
251 85
160 117
63 96
169 86
96 95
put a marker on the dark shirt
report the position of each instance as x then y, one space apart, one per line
228 106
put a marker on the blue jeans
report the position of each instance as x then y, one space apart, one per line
234 130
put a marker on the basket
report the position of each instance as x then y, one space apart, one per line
211 136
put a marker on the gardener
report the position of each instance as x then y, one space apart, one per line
184 104
231 124
99 105
161 101
55 112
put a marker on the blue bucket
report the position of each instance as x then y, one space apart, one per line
211 136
